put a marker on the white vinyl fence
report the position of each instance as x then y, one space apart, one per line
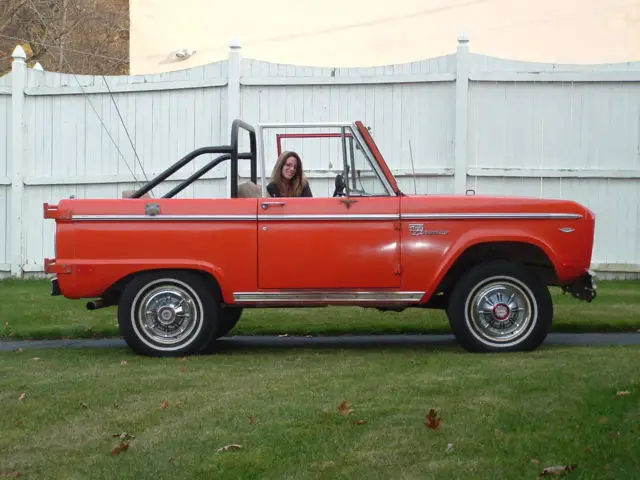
467 121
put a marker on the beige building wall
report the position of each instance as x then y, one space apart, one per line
346 33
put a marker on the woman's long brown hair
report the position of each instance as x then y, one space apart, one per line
298 182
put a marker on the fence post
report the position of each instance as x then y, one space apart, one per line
18 82
462 92
233 94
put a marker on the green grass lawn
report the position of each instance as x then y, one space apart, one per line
28 311
503 415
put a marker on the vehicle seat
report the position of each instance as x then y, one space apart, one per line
249 190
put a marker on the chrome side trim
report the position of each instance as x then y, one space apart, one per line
326 296
339 216
179 218
490 216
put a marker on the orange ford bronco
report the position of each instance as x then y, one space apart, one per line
181 270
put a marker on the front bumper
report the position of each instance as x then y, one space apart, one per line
584 288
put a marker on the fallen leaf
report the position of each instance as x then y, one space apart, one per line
558 470
433 422
22 396
344 407
229 447
183 370
84 405
614 434
123 446
164 406
623 393
123 436
252 420
603 420
362 421
535 461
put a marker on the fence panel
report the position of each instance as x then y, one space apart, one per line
444 124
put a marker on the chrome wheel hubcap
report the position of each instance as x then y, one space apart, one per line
500 311
167 314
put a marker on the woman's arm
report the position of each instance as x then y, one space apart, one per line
307 191
273 190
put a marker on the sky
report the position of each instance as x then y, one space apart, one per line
360 33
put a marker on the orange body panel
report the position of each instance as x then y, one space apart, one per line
299 249
427 257
100 252
404 243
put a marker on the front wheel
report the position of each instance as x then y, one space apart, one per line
168 314
500 306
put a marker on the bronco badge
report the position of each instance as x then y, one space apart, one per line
417 229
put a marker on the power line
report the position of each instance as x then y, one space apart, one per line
125 128
94 109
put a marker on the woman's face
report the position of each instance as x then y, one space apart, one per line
289 168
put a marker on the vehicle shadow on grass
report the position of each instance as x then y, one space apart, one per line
246 344
235 344
444 342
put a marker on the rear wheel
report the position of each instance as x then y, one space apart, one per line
500 306
168 313
229 317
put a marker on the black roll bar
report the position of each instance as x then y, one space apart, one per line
235 126
229 152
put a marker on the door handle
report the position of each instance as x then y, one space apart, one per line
266 205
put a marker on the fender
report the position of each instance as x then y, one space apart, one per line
91 278
482 236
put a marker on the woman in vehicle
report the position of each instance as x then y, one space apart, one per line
288 178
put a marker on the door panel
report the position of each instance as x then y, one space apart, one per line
325 243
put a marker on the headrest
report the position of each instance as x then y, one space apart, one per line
249 190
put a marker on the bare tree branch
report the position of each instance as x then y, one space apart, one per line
79 36
11 8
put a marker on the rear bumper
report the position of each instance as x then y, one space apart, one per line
584 288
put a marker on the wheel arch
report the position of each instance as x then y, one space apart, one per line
112 294
537 257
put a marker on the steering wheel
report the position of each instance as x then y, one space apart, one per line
339 186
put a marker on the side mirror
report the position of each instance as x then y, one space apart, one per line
339 186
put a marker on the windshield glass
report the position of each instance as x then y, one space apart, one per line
363 180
